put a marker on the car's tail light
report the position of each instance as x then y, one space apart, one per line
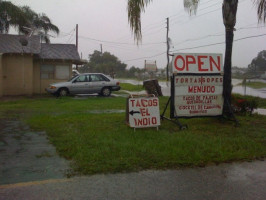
117 83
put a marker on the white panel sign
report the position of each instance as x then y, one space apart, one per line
198 95
197 63
144 112
150 67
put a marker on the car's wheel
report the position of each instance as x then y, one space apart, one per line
106 92
63 92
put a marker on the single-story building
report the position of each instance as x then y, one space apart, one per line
28 66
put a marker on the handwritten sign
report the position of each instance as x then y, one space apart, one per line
198 85
198 95
144 112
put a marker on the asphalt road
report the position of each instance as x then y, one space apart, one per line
237 181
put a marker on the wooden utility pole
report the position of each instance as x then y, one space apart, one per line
77 36
77 41
168 47
101 49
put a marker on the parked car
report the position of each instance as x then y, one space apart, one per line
88 83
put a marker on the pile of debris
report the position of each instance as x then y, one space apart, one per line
153 87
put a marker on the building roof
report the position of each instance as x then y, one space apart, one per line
59 52
12 44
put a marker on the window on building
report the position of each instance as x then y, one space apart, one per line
62 72
55 72
47 72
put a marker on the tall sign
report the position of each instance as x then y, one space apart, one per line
197 85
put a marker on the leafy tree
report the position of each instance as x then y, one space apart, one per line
229 9
258 64
104 63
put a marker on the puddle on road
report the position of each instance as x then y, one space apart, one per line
27 156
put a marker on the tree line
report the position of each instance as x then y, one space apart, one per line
109 64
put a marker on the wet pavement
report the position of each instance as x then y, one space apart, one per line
245 181
27 156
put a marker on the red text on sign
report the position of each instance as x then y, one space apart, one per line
145 121
203 63
143 102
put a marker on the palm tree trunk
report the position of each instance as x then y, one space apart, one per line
227 84
229 18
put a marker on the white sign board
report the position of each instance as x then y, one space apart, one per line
198 95
144 112
151 67
198 85
197 63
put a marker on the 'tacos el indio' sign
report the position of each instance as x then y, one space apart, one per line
198 83
144 112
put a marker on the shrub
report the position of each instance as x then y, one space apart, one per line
244 105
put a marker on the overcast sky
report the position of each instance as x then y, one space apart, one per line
105 22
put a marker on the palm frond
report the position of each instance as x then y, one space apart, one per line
191 6
135 7
15 15
261 4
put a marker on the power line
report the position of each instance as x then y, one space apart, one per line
216 34
145 57
121 43
213 44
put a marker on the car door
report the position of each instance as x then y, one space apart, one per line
80 85
97 82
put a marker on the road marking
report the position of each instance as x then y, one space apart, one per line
32 183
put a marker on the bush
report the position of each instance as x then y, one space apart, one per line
244 105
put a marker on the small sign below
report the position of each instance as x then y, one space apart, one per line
143 112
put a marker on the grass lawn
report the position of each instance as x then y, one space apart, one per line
131 87
93 134
255 85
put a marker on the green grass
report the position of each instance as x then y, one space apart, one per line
101 142
255 85
131 87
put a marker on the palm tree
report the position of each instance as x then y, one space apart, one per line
229 9
10 15
229 18
261 4
38 24
25 20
